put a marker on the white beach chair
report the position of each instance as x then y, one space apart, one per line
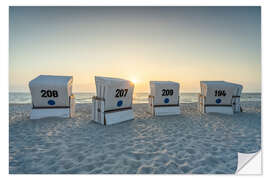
219 96
164 98
52 97
113 103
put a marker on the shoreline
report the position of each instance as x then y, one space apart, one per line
242 102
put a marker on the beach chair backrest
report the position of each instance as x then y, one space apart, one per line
165 92
218 92
51 91
117 93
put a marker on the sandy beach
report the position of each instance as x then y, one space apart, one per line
188 143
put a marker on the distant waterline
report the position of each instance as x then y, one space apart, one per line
24 98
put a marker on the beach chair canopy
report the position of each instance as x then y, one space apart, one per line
117 93
219 92
51 91
165 92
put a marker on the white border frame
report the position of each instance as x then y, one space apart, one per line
4 36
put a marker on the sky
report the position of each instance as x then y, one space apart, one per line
182 44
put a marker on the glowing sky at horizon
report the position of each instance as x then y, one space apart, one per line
182 44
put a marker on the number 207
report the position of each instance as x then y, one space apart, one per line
121 92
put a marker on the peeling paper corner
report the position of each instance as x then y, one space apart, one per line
249 164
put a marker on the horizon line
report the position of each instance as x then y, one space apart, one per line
134 92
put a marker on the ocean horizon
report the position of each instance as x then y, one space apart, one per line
140 97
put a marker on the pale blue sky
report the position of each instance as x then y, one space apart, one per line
183 44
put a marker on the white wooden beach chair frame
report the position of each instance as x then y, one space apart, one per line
43 89
60 111
232 104
109 117
231 108
163 110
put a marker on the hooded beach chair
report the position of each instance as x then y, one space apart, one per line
164 98
220 97
52 97
113 101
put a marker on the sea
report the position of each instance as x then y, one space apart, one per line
24 98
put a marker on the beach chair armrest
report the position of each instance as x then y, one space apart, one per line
98 98
200 95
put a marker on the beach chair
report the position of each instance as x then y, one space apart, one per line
113 101
220 97
52 97
164 98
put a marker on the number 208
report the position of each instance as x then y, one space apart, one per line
49 93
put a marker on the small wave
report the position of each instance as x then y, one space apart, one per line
24 98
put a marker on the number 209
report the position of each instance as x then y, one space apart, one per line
167 92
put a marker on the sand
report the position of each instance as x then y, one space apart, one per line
187 143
